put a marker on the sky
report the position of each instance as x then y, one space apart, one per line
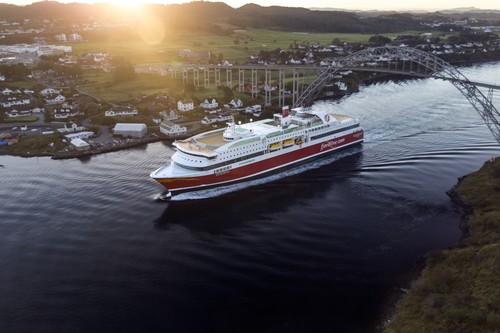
430 5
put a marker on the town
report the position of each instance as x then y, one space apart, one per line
49 103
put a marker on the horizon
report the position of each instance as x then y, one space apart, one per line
362 5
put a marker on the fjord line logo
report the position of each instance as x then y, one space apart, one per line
331 144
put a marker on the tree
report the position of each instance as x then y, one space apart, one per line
379 40
226 94
123 73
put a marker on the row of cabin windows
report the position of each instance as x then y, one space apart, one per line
334 132
238 154
218 165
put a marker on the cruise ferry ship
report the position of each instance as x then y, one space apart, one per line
245 151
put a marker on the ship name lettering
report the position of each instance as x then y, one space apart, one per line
331 144
328 145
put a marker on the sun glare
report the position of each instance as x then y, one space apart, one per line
131 4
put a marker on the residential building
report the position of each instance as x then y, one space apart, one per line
49 91
71 127
66 111
121 111
79 135
209 103
170 128
185 105
54 100
217 119
172 115
236 103
11 101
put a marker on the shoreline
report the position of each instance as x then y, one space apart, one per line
400 289
90 152
429 303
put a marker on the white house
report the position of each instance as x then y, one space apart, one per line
170 128
59 99
236 103
7 92
49 91
79 135
71 127
185 105
209 103
121 111
66 111
61 37
19 111
172 115
254 109
75 37
341 85
220 118
8 102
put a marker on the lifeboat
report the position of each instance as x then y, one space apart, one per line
288 142
275 146
298 141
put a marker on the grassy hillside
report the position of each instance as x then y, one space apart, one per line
459 291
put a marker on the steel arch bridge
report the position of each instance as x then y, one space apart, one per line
408 61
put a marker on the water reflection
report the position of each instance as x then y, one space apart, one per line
259 202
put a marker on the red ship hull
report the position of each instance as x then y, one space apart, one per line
262 167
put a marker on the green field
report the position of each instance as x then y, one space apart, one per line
102 86
27 119
251 41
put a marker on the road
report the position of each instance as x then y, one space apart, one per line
36 127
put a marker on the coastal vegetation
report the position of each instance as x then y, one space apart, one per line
459 289
38 145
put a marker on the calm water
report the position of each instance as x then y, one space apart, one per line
85 248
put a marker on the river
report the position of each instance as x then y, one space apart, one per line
86 248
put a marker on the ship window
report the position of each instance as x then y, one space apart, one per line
334 132
234 160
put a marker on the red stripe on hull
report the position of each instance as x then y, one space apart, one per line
262 167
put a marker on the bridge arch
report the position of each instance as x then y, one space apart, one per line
418 63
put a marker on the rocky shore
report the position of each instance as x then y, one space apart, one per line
458 289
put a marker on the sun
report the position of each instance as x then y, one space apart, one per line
129 4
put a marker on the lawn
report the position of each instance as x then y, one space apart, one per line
103 86
27 119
